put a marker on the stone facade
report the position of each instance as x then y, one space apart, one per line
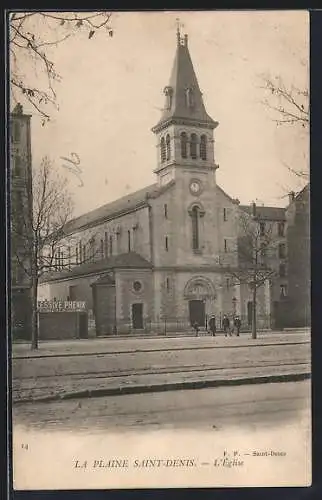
21 203
299 270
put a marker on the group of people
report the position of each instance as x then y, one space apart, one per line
228 330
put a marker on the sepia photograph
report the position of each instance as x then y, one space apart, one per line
159 222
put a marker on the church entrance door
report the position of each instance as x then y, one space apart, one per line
137 316
197 312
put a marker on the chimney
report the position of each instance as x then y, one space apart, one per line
253 209
18 109
291 196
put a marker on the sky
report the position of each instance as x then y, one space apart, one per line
111 95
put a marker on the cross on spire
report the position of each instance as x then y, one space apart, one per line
179 25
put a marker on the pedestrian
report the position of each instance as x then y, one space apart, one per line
212 325
226 325
237 325
196 328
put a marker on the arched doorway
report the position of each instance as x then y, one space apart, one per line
199 292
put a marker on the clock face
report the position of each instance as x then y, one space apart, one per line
195 187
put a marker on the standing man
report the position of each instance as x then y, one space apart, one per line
237 325
196 328
212 326
226 325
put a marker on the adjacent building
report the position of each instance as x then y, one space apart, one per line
21 205
299 268
272 225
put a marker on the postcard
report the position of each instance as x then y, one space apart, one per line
160 249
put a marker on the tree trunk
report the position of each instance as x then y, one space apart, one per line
254 325
34 318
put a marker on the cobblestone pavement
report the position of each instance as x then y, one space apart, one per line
98 364
219 408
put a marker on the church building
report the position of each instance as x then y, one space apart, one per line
162 254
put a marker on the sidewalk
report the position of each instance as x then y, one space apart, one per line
121 345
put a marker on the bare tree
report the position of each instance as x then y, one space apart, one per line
290 106
254 244
32 35
38 232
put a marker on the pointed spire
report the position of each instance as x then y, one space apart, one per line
183 96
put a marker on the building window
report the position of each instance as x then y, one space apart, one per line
193 146
166 243
80 252
69 258
102 249
195 228
184 142
263 250
17 169
137 286
84 253
16 132
281 228
163 150
203 147
282 251
283 290
105 245
76 254
167 284
225 215
111 245
225 245
129 240
92 250
168 147
262 228
20 203
282 270
227 283
165 211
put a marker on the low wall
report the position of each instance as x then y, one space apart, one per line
62 325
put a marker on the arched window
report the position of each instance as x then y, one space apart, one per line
184 142
195 228
168 147
203 147
163 150
193 146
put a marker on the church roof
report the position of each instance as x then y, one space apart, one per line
105 279
127 203
183 78
130 260
266 213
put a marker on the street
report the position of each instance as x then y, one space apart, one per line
63 368
218 409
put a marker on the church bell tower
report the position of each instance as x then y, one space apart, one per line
185 131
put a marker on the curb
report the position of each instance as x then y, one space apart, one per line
133 351
143 389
